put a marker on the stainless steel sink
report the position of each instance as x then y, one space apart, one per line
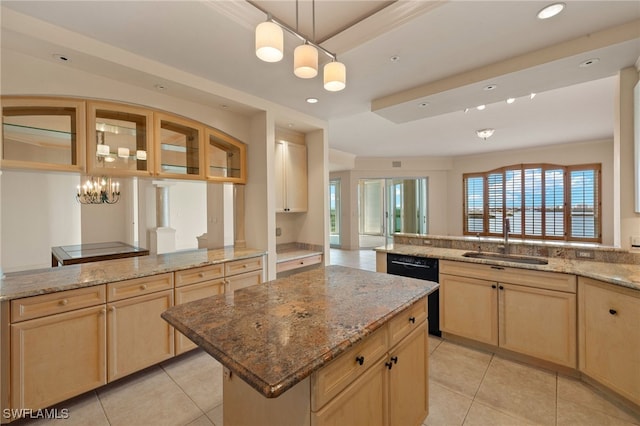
506 257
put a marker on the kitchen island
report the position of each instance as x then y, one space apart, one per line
332 345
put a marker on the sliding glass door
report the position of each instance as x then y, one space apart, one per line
334 213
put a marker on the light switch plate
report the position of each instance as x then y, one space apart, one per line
635 241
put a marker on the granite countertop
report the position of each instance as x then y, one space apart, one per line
625 275
294 251
50 280
274 335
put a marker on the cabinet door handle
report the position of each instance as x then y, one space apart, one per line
389 365
394 359
360 359
494 286
613 311
412 320
201 274
143 287
112 308
500 287
64 302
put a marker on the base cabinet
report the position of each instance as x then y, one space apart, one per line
57 357
609 329
524 315
190 293
138 336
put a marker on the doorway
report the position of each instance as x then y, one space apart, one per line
334 213
388 206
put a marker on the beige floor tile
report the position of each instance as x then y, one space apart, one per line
483 415
519 390
147 398
573 414
458 368
84 410
434 342
203 420
215 415
446 408
581 393
200 377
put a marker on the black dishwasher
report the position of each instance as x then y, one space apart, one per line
423 268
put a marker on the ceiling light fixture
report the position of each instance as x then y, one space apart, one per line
312 100
269 48
551 10
481 107
589 62
423 104
490 87
485 133
511 100
532 95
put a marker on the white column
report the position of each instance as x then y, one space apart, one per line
1 272
163 237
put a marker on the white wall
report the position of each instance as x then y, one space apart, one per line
566 154
109 222
27 198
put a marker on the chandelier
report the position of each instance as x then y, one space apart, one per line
270 48
98 191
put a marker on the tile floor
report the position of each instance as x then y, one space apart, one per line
467 387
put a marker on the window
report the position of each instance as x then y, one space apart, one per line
541 201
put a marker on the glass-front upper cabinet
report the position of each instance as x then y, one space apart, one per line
179 147
42 133
226 157
120 139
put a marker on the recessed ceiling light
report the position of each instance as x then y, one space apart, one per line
490 87
531 96
394 58
481 107
466 110
589 62
160 87
224 106
290 125
423 104
312 100
60 57
485 133
511 100
551 10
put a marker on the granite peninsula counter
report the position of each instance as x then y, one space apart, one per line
275 335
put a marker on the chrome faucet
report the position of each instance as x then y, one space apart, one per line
507 229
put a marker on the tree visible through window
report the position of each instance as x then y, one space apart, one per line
542 201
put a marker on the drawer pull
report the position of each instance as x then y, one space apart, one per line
64 302
143 287
245 266
302 262
501 287
500 268
412 320
613 311
494 286
388 365
394 359
360 359
201 274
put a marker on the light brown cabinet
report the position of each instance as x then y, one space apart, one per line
291 177
226 157
137 336
58 346
43 133
179 147
120 140
608 324
529 312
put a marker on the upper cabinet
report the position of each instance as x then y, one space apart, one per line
120 139
291 177
115 140
226 157
43 133
179 143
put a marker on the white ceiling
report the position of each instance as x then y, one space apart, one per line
448 51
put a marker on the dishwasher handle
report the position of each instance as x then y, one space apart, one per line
397 262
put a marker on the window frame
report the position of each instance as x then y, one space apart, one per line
596 168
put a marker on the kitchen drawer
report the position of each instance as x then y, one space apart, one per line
242 265
298 263
406 321
504 274
196 275
138 286
342 371
55 303
236 282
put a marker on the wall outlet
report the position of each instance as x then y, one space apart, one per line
635 241
426 242
278 232
584 254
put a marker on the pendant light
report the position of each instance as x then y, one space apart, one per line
305 61
335 76
269 41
